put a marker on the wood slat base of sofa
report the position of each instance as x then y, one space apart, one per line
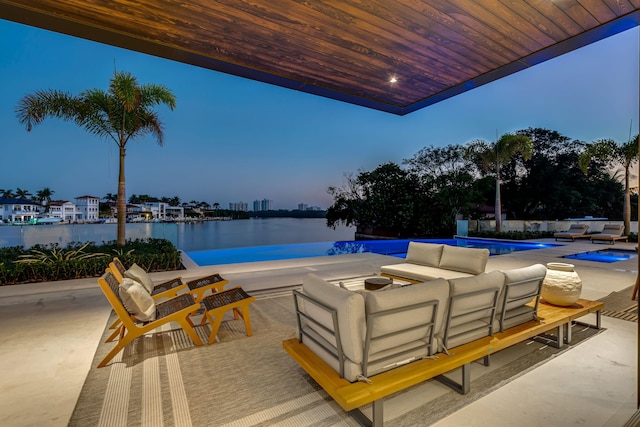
351 396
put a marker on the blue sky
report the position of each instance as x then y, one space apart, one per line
232 139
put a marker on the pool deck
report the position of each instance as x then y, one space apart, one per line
50 332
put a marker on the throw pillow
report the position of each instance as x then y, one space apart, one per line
138 274
137 300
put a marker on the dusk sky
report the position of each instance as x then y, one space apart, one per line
231 139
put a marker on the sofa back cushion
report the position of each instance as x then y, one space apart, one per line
402 323
424 254
466 260
395 329
471 294
350 311
472 302
522 285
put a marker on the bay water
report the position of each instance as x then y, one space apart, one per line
198 236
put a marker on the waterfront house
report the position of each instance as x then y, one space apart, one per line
64 210
137 213
17 210
88 207
162 211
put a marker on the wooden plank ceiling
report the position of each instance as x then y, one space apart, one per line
346 50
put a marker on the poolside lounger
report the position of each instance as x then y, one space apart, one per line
610 233
575 231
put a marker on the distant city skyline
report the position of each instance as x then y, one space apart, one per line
232 139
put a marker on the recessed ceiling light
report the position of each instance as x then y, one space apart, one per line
393 79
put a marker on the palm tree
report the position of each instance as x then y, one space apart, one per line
22 194
491 156
44 196
123 113
613 154
110 197
7 194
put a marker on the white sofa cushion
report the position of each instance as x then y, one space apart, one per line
519 282
471 317
420 272
350 311
467 260
424 253
400 337
391 325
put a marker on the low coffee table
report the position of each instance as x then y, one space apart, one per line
375 283
358 283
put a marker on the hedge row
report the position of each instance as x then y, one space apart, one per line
47 263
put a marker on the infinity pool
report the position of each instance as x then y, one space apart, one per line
396 248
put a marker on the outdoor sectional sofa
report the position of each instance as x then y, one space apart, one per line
360 334
428 261
364 346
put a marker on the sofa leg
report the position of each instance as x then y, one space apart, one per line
377 415
462 387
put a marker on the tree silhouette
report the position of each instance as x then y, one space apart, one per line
622 155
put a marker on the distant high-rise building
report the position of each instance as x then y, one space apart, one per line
305 207
239 206
262 205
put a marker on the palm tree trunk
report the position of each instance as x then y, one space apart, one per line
122 201
626 210
498 205
498 208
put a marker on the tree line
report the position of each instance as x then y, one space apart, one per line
531 174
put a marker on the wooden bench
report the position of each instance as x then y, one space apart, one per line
352 396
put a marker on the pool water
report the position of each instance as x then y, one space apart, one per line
396 248
605 255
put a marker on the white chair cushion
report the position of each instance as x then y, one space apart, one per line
137 300
138 274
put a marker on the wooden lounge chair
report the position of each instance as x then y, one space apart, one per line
575 231
176 309
610 233
168 289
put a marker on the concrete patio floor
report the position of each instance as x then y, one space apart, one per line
50 332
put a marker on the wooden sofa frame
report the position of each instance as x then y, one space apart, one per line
352 396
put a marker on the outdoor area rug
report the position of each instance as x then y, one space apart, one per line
162 379
620 305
